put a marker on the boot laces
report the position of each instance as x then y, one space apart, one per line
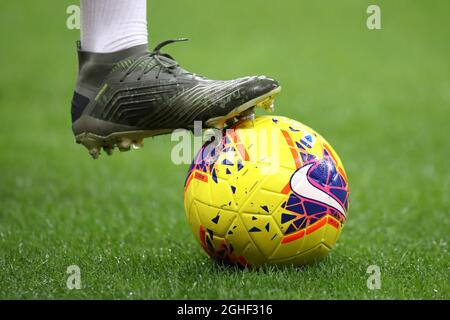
156 59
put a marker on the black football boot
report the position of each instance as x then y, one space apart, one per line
125 96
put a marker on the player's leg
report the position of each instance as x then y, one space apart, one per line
112 25
125 93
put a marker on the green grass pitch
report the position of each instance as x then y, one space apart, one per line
381 97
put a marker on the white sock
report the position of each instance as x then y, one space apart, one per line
113 25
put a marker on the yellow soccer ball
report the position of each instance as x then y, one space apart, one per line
269 191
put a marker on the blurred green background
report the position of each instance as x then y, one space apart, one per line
381 97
